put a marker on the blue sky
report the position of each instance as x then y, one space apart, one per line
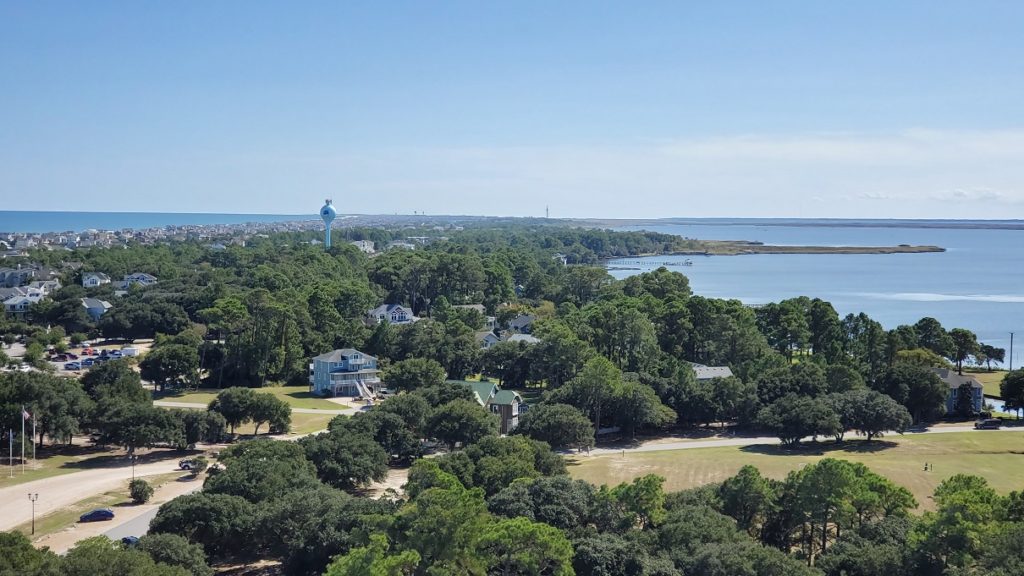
795 109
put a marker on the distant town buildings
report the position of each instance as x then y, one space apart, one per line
365 246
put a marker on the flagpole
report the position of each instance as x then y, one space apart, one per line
33 440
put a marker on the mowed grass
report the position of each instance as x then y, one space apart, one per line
990 380
995 456
295 396
301 424
51 461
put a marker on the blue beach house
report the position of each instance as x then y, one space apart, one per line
345 372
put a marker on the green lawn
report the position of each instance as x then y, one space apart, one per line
990 380
996 456
51 461
301 424
296 396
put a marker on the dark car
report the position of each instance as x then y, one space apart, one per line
97 515
988 424
88 362
72 356
130 541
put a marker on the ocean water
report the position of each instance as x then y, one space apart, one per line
978 283
30 221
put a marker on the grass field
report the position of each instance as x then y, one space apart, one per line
996 456
301 424
295 396
50 462
65 517
990 380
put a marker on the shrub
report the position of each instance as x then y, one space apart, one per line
140 491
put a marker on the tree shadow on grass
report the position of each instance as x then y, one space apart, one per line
821 448
122 460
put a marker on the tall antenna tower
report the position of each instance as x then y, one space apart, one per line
547 211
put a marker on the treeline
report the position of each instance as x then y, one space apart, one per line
110 404
505 506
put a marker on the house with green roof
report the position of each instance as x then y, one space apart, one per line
507 404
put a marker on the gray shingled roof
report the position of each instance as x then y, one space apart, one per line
341 354
954 380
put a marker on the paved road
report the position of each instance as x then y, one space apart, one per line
170 404
61 491
135 527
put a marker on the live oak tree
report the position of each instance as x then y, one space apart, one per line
1011 389
461 421
559 425
414 373
267 408
172 365
175 550
235 405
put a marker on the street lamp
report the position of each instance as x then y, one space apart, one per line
33 498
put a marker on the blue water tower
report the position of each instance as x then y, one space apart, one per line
328 214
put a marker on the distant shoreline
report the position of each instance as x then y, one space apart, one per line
804 223
743 247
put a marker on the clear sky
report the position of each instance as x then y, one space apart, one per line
754 108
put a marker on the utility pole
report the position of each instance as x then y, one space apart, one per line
33 498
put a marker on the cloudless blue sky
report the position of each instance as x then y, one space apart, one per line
774 108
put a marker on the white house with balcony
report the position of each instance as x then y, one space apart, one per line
94 279
345 372
392 314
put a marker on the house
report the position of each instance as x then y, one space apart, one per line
365 246
392 314
703 372
400 245
487 339
12 277
522 324
94 279
19 305
954 381
507 404
345 372
523 338
95 307
46 286
490 322
138 278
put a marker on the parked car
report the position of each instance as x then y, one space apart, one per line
186 464
72 356
88 352
114 354
129 541
97 515
73 366
88 362
988 424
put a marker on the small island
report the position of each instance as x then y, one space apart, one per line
739 247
